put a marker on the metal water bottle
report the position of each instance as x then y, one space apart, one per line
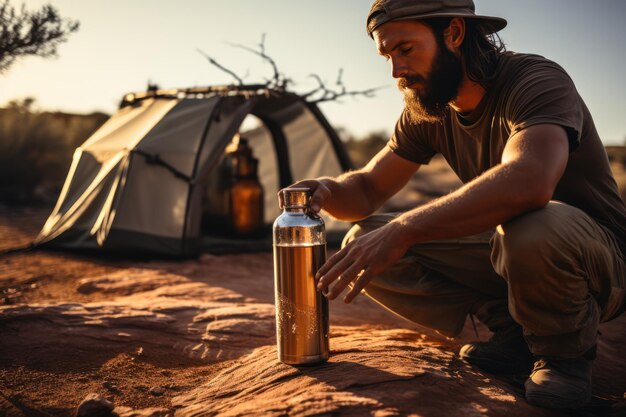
301 310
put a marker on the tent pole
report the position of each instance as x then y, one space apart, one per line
191 184
282 150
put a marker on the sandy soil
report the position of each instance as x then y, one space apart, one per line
196 337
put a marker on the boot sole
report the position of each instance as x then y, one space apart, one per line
546 399
497 367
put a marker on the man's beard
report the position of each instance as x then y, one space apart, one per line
440 86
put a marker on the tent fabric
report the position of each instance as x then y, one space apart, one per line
137 184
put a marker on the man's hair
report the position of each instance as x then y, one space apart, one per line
480 50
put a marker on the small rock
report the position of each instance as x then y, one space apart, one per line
94 406
157 391
110 386
86 287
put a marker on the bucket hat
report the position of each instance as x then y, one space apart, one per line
383 11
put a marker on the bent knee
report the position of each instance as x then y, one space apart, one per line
538 237
534 231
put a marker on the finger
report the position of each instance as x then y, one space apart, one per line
360 283
333 274
340 285
345 279
311 184
330 262
320 195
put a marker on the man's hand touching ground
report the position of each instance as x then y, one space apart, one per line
361 260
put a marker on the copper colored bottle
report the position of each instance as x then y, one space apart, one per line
217 216
301 310
246 198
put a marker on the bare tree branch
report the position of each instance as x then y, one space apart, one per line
262 44
218 65
325 94
339 75
278 80
320 86
333 95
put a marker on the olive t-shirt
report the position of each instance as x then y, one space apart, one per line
527 90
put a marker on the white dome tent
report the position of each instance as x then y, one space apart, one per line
136 185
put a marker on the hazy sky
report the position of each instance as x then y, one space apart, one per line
122 44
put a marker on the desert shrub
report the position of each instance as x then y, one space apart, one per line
34 33
36 150
361 150
617 154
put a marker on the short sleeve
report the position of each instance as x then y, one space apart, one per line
545 95
410 141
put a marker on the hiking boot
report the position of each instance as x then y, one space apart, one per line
563 383
506 352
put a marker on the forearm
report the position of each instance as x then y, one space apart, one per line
351 198
489 200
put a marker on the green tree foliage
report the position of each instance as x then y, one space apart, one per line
36 150
37 33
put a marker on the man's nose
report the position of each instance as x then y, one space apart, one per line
398 68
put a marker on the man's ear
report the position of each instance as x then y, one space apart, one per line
455 33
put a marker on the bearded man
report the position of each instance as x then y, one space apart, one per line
532 244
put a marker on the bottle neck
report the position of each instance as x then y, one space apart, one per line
297 209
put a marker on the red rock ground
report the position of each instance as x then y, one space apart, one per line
196 338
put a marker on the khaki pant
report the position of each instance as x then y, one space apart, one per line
555 271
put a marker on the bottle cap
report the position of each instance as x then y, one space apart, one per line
296 197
